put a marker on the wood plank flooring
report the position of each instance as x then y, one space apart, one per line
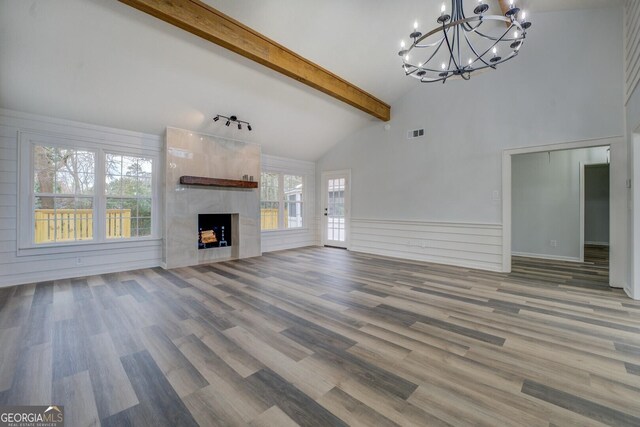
593 273
325 337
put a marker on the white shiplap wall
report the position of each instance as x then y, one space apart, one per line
632 45
296 238
64 262
465 245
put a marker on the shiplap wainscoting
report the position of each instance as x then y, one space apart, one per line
277 240
632 45
61 262
460 244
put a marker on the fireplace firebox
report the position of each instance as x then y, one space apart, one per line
214 231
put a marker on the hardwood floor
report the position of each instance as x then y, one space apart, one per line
592 273
323 337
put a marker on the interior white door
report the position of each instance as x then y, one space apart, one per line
336 207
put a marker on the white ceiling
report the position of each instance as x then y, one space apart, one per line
103 62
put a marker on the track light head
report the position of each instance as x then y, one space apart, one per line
249 127
239 126
216 118
228 123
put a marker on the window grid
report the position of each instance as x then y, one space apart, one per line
63 194
128 188
66 196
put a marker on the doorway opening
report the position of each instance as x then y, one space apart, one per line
560 216
596 205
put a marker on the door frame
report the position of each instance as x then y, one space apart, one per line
583 178
506 191
347 205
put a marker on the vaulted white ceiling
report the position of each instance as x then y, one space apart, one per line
102 62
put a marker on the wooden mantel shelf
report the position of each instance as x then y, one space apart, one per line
217 182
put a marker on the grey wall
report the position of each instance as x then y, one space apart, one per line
536 99
596 204
546 201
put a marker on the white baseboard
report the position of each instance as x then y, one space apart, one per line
630 293
544 256
42 276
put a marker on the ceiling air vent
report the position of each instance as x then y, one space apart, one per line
417 133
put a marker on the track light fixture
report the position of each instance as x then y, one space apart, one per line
233 119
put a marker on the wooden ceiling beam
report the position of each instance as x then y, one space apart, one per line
204 21
504 6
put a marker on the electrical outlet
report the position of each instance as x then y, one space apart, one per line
554 243
78 261
495 196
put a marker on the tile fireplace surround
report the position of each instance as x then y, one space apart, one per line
191 153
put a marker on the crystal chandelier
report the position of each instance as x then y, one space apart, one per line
460 45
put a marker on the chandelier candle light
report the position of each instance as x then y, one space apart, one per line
461 45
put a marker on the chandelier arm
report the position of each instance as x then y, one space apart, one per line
451 58
494 38
496 44
452 24
422 46
458 45
495 65
434 53
474 52
513 24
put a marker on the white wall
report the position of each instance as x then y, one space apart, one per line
596 204
70 261
546 202
553 92
275 240
633 132
632 76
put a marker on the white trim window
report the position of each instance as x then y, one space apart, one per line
128 188
79 192
63 194
281 201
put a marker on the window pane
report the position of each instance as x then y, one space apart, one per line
293 215
144 166
143 187
63 170
128 185
269 186
128 217
269 215
118 219
60 219
113 164
144 207
292 184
